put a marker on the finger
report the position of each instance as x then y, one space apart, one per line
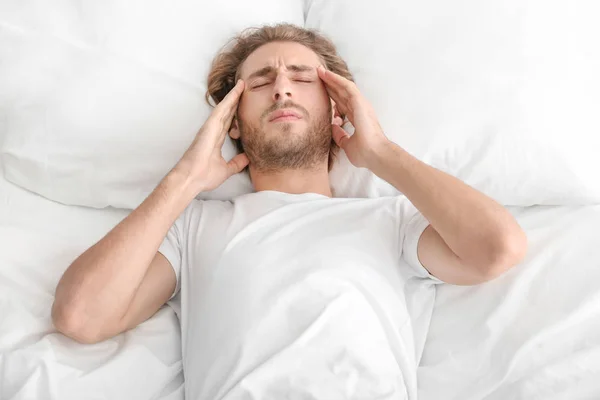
328 77
233 96
237 164
341 103
340 136
333 89
336 96
231 102
225 110
340 89
221 139
336 81
222 116
221 135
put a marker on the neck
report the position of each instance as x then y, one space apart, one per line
293 181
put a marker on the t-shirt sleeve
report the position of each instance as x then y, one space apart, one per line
172 248
412 225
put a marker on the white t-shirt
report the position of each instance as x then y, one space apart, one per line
287 296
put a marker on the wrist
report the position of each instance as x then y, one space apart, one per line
181 179
379 153
187 173
399 168
169 198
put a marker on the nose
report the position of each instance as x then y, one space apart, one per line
282 89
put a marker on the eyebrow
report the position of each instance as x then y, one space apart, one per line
270 70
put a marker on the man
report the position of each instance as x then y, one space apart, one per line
288 292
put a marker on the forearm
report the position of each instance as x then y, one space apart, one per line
101 283
475 227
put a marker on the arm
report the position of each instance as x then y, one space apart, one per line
471 238
94 295
122 280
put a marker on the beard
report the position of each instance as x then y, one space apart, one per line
284 149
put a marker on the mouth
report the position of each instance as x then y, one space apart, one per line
284 115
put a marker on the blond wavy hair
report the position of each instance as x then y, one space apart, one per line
225 67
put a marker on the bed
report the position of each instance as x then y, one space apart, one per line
88 91
39 239
531 334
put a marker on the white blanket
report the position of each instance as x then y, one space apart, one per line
38 241
531 334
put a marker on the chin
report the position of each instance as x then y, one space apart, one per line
288 128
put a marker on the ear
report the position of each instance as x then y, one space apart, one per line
334 111
234 131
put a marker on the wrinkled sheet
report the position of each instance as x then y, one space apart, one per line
38 241
531 334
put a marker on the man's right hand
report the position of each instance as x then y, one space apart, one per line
203 162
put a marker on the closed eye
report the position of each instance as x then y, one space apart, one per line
260 85
303 80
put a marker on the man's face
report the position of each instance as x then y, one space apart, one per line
284 115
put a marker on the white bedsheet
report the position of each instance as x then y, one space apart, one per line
531 334
38 240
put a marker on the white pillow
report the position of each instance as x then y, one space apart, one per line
102 98
2 130
504 95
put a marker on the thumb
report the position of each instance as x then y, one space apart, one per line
340 136
237 164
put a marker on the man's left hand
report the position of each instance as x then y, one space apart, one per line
368 137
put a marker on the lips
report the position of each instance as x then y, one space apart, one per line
283 115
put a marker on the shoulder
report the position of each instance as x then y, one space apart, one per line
199 204
199 209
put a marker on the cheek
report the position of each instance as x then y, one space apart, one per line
319 102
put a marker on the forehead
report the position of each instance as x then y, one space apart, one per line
277 54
